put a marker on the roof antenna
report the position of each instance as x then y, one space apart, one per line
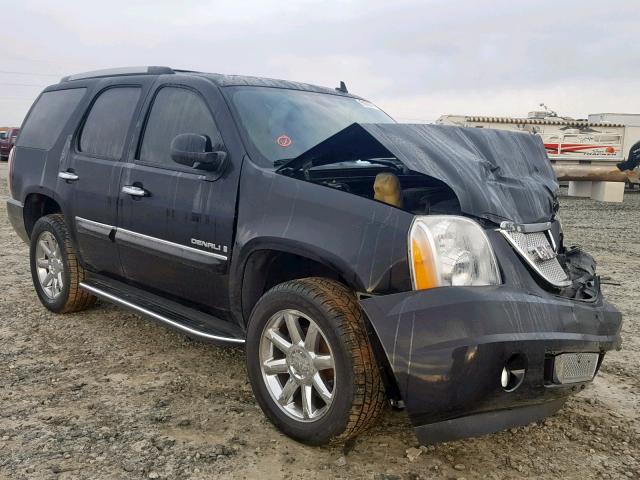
342 88
550 112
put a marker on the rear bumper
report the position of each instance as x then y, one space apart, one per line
447 348
15 211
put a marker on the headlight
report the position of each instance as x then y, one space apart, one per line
447 250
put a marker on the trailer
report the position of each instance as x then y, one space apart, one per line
585 148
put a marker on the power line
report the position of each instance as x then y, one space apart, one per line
22 58
32 73
23 84
412 120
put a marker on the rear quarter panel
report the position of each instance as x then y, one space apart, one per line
35 170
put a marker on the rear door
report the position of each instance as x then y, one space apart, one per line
175 222
94 168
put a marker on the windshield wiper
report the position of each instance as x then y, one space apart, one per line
387 162
306 165
282 161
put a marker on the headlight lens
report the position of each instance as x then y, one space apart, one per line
446 250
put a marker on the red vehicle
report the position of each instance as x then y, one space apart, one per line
7 141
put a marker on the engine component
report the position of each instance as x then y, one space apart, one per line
387 189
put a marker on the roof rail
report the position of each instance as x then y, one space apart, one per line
112 72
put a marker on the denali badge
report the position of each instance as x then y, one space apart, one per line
212 246
543 252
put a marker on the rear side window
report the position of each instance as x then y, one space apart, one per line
175 111
105 130
48 117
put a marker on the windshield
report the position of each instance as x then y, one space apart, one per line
284 123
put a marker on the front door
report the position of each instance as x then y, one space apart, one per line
168 232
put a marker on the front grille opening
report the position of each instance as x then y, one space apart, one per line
537 251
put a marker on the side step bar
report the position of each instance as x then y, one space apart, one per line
112 295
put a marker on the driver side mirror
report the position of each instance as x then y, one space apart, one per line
195 151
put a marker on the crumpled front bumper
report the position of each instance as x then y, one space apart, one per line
447 348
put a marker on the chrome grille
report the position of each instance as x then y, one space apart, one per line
574 367
526 245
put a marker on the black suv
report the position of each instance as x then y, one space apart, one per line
363 262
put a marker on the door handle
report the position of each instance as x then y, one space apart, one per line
68 176
134 191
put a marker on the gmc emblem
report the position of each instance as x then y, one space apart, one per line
544 252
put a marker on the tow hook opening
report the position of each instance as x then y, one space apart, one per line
513 372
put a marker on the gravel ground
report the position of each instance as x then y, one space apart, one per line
107 394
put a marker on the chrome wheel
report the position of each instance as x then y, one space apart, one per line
49 265
297 365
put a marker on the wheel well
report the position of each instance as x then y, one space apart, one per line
35 206
267 268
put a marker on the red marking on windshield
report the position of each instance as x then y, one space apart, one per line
284 141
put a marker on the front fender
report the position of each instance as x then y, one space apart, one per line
363 240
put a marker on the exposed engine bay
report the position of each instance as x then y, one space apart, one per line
495 175
387 181
497 179
394 185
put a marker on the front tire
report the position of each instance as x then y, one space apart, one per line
310 362
55 269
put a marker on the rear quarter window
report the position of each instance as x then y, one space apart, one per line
48 117
105 130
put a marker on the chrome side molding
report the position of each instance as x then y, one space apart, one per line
158 244
145 241
89 226
145 311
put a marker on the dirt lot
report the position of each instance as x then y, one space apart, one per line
107 394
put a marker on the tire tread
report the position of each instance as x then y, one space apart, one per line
369 390
78 299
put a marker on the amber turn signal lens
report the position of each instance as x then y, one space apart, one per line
424 268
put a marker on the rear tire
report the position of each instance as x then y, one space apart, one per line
55 269
342 358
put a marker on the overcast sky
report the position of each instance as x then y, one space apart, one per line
415 59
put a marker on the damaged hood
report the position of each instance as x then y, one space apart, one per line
495 174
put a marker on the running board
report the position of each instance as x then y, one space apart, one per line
181 318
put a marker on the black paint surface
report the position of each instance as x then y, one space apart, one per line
495 174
